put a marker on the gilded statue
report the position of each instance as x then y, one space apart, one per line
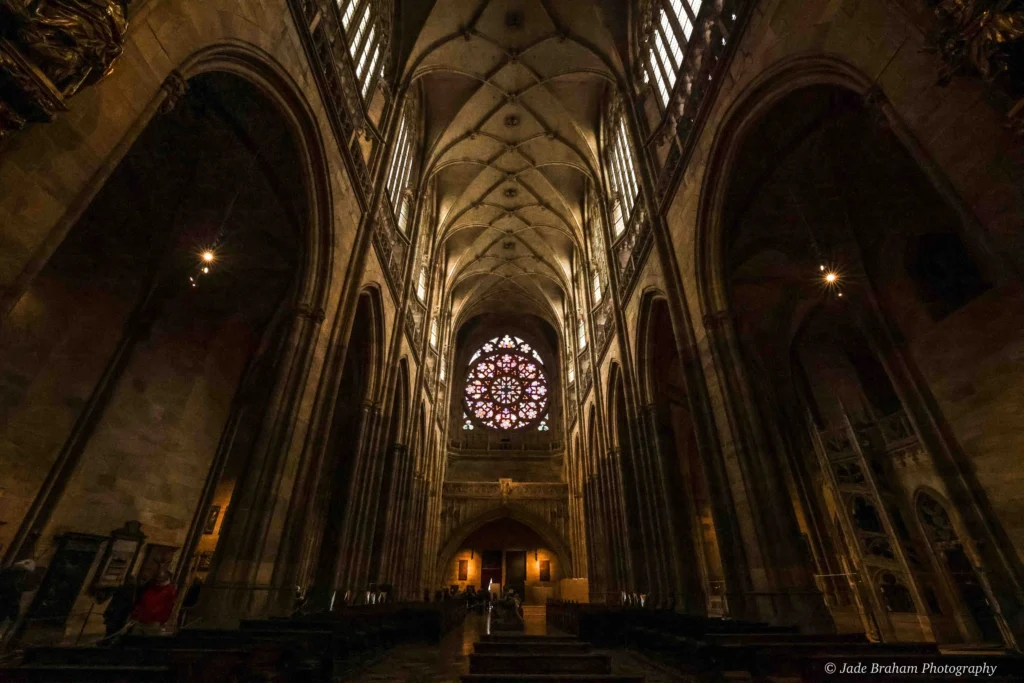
986 35
73 43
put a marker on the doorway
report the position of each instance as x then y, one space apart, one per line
515 565
490 568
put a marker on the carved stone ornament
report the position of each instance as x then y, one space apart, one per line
51 49
174 86
986 38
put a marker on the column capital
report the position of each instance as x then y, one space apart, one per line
174 88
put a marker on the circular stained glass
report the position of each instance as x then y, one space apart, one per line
506 387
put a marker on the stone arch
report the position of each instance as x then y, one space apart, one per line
282 350
615 395
400 419
347 432
743 116
374 299
643 341
261 70
545 530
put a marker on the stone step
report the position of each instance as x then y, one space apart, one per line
528 639
550 678
539 664
43 673
532 647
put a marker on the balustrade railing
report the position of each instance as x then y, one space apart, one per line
494 444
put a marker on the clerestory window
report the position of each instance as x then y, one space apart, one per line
365 41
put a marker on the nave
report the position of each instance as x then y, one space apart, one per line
696 325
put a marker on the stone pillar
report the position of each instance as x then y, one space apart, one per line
660 543
598 552
241 579
398 521
784 587
347 573
674 580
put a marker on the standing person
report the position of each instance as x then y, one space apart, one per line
14 582
156 603
122 602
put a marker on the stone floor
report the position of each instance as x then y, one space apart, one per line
444 663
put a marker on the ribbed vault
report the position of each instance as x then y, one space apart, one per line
512 94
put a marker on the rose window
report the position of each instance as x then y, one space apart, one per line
506 387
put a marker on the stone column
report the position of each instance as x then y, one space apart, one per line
599 554
785 591
674 582
347 574
241 577
654 503
397 522
621 530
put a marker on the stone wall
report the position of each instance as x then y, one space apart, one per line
970 360
516 466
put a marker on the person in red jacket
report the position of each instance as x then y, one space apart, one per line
156 603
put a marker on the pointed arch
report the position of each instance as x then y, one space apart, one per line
546 531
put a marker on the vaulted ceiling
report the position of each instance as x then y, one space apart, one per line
512 93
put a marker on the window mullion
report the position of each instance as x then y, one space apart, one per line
406 165
627 188
658 82
666 69
620 181
687 9
669 36
348 10
359 28
623 183
628 153
677 21
359 55
394 162
370 52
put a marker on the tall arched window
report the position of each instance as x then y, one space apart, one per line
401 168
421 284
506 387
618 222
365 40
433 333
670 31
596 283
621 174
581 334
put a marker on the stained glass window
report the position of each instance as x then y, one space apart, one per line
506 387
